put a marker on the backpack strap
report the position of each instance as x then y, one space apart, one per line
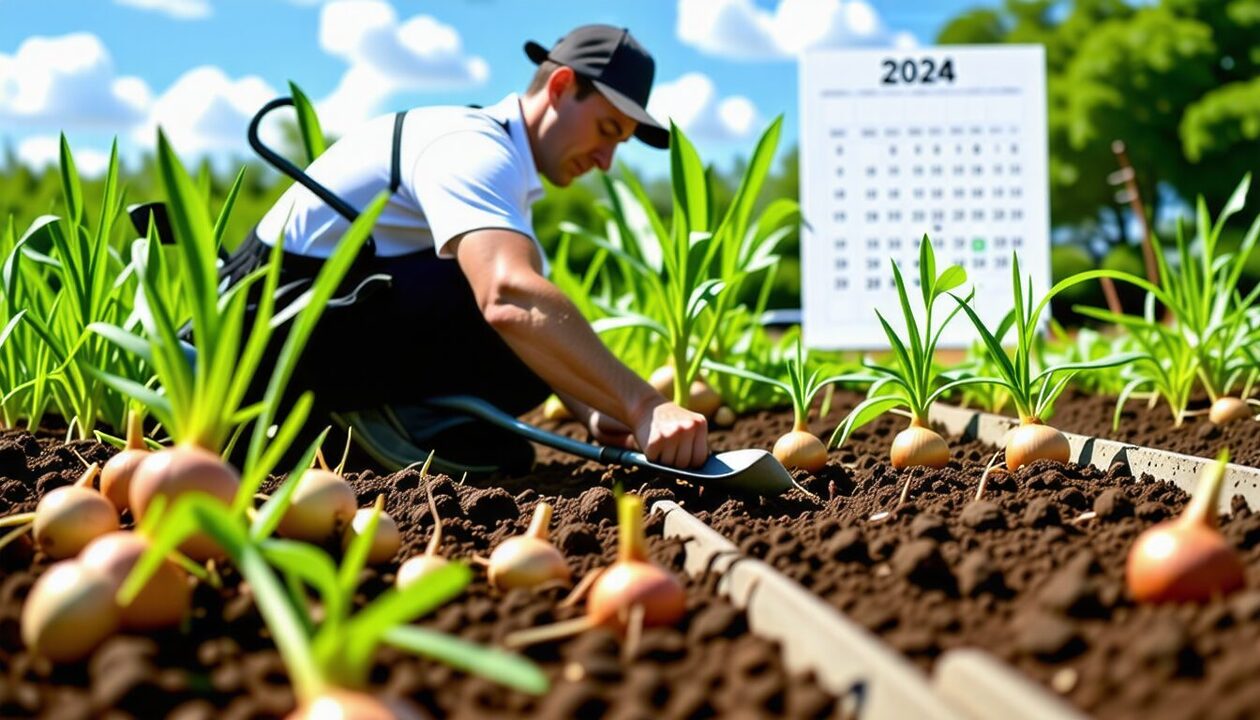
395 166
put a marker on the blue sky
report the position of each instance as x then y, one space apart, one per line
99 69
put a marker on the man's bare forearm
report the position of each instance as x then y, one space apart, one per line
546 330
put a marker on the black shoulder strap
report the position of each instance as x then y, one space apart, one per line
395 166
502 123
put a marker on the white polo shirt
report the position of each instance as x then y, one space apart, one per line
463 169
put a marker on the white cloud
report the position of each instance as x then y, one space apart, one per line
205 112
178 9
905 40
68 81
692 102
739 30
386 57
42 152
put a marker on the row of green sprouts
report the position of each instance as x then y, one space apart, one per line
1197 335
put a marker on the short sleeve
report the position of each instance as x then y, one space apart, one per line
468 180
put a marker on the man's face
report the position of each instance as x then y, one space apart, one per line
583 134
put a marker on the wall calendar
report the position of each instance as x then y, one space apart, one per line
948 142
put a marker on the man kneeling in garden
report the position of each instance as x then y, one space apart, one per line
469 309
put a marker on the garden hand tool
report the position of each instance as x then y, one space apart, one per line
752 471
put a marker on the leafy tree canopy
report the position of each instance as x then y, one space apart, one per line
1174 80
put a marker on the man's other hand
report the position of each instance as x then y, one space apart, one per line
608 431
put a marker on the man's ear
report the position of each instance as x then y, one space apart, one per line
562 78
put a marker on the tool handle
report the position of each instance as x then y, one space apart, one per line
485 411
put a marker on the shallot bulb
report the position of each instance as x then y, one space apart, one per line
340 704
634 580
69 612
172 472
323 503
385 542
1228 409
528 560
701 397
165 598
1186 559
1033 441
417 567
631 594
919 446
724 417
801 449
69 518
117 473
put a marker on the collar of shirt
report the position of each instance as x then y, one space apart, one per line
508 112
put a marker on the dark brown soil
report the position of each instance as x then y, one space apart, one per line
1016 573
1091 415
223 665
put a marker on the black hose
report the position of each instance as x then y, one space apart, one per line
283 165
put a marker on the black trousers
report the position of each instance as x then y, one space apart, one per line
422 337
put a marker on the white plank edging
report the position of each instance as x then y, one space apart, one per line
986 688
875 681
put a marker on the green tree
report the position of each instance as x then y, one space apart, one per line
1220 130
1221 134
1174 80
1133 80
1078 187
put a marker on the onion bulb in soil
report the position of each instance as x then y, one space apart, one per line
173 471
322 505
724 417
919 446
416 567
69 612
162 602
554 409
117 472
634 579
1033 441
801 449
1186 559
528 560
1228 409
702 398
386 541
69 518
631 594
339 704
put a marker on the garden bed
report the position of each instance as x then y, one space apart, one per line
225 665
1018 574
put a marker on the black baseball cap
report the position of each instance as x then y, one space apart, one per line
619 67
